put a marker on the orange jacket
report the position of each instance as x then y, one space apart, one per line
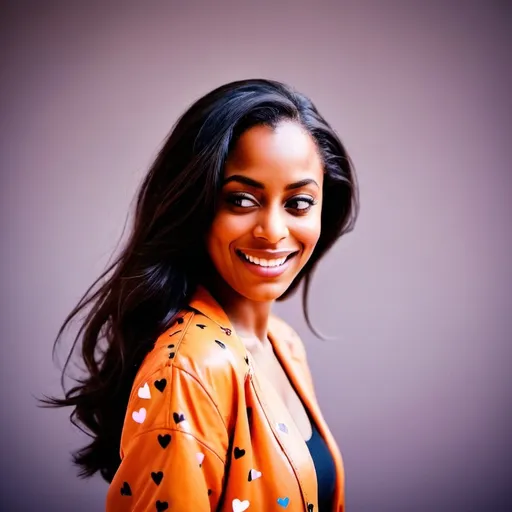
204 431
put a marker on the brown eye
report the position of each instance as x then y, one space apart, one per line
301 203
241 200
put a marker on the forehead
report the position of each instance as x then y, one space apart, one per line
286 152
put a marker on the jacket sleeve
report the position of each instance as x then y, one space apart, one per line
167 470
172 448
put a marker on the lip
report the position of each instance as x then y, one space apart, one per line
268 272
268 254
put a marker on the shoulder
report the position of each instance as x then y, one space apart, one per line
189 376
287 337
291 346
195 342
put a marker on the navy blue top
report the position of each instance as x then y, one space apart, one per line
324 467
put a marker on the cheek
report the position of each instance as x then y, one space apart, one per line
308 231
224 230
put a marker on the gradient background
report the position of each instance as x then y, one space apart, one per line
418 386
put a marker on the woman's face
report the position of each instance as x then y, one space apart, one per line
269 216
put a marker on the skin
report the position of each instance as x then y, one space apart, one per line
272 217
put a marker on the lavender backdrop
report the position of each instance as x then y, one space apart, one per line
417 388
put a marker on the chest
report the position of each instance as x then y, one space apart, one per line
269 365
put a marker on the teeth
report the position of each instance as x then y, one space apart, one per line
262 262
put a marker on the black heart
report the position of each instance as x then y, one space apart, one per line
209 492
227 330
201 326
246 359
162 505
164 440
221 345
179 320
239 452
178 418
250 476
157 477
125 490
160 384
171 355
310 507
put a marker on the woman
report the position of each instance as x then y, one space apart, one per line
197 397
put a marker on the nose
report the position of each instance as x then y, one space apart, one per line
271 225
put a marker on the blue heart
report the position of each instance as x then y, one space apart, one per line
283 502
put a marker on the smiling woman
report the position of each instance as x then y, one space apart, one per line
197 397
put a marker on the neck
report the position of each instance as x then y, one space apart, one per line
249 318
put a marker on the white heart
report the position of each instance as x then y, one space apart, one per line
255 474
240 506
185 425
282 427
140 415
200 457
144 392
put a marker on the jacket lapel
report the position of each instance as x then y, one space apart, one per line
307 395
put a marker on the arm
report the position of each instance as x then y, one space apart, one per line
173 447
167 470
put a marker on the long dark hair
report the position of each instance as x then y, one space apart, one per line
155 274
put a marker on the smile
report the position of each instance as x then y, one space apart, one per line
266 267
262 262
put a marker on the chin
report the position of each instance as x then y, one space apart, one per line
265 292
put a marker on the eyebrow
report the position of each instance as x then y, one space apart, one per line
256 184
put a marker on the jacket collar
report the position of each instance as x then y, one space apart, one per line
203 301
